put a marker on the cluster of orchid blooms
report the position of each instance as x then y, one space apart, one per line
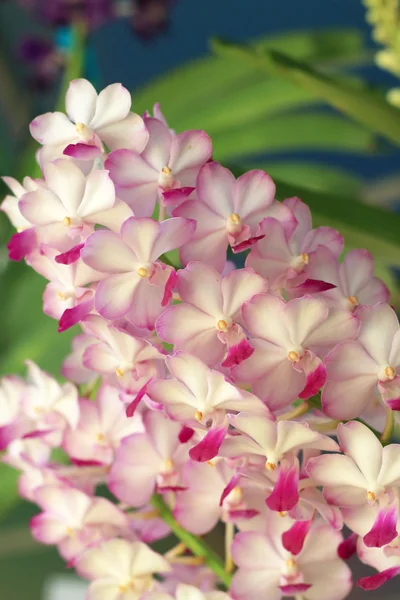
219 390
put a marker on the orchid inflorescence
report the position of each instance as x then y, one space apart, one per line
198 393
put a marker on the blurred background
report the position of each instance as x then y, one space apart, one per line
304 99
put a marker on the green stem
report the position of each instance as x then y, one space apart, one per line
315 402
192 542
389 426
74 65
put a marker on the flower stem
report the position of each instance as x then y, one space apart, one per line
192 542
389 425
74 64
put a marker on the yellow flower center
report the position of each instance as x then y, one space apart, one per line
67 222
270 466
143 272
235 218
198 415
293 356
222 325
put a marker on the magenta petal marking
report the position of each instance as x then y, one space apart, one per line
85 463
37 433
231 485
185 434
178 195
169 287
170 488
293 539
245 514
313 286
82 151
209 446
348 547
315 380
21 244
72 316
131 408
294 588
383 530
375 581
238 353
394 404
70 256
246 244
285 494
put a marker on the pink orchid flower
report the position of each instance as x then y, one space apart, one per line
200 398
188 592
92 119
73 521
13 421
120 570
227 212
135 276
360 371
289 340
208 319
67 287
101 428
50 406
353 279
10 203
359 478
269 444
388 567
215 489
149 461
268 570
65 210
169 162
73 368
128 362
286 251
199 575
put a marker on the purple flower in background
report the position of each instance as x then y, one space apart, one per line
44 59
150 17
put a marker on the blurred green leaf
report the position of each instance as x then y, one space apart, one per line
293 131
189 89
27 333
363 105
8 489
314 176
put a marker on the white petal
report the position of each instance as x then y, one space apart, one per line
200 285
304 315
113 104
239 287
354 439
67 181
215 186
99 194
80 101
378 327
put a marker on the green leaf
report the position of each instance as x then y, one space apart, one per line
247 103
293 131
318 177
196 85
363 105
8 489
27 333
